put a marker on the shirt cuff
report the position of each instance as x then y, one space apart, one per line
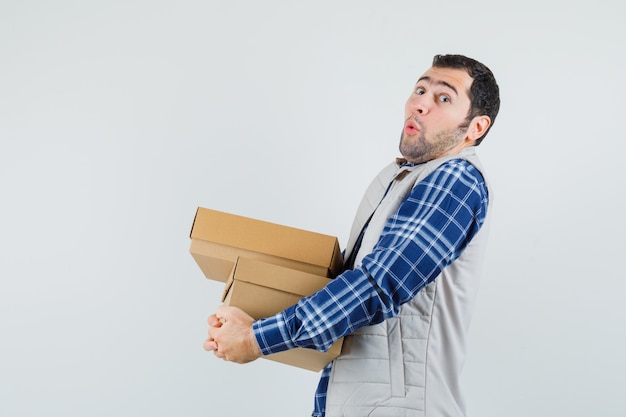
272 335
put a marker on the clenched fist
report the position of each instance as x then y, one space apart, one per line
231 337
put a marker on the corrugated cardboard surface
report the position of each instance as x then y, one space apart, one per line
262 290
218 238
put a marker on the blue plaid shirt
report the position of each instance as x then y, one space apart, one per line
428 232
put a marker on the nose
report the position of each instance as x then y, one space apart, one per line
418 105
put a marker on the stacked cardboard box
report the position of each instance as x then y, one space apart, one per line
218 238
266 267
262 289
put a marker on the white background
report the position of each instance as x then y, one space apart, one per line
119 118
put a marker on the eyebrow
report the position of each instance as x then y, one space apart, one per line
439 82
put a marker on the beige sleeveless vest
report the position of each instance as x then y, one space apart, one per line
408 365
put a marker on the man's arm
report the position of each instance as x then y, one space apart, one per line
428 232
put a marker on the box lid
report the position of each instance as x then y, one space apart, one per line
251 234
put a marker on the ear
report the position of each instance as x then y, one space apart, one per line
478 127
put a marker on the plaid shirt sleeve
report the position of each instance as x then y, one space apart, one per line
428 232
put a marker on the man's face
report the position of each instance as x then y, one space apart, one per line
435 115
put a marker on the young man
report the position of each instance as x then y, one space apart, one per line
413 261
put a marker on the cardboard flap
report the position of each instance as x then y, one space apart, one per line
230 281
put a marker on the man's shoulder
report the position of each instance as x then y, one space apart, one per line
462 168
458 176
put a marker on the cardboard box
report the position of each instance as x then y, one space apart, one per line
262 290
218 238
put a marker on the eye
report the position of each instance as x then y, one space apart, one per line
444 98
419 91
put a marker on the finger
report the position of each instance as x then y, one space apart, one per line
214 331
218 354
210 345
214 321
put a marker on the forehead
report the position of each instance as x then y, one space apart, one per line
455 79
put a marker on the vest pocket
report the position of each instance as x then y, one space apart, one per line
396 364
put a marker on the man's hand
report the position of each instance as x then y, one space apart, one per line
231 337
